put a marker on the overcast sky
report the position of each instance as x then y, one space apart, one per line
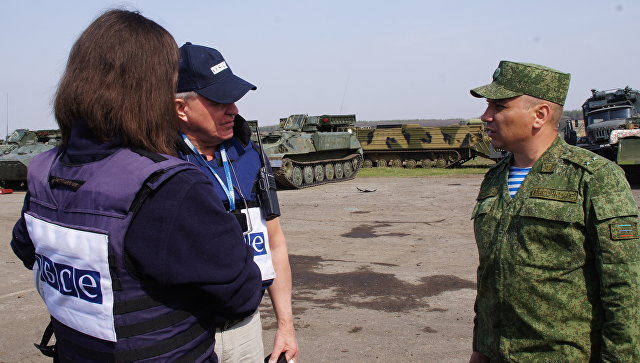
378 59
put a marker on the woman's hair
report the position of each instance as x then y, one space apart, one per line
121 80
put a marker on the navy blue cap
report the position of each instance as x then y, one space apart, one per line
204 70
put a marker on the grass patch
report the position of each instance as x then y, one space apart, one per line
402 172
477 166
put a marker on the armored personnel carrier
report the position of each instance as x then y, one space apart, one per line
15 139
413 145
18 150
310 150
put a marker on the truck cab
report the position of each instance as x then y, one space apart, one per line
606 111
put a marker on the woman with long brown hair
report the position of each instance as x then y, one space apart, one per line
117 231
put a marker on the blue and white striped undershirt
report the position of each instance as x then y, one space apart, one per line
516 177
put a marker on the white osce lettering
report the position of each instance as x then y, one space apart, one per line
82 285
219 67
49 275
63 285
70 281
258 241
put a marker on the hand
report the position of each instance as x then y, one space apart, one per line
477 357
285 341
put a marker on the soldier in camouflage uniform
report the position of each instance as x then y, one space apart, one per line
559 273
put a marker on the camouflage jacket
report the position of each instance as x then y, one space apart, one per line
559 273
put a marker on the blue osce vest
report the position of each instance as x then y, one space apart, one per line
100 312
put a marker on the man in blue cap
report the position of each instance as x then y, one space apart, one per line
217 139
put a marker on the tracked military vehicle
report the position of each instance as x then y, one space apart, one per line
413 145
17 138
18 150
310 150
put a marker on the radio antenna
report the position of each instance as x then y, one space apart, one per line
7 114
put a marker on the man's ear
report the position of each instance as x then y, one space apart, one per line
542 113
182 109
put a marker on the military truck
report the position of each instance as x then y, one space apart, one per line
18 150
612 123
606 111
412 145
310 150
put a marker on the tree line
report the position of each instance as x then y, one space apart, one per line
573 114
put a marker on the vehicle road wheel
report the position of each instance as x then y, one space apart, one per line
328 171
381 163
367 164
339 170
319 173
356 162
287 166
347 169
441 163
296 176
410 164
396 163
427 163
308 175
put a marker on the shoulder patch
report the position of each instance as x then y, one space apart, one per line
555 194
584 158
623 231
548 167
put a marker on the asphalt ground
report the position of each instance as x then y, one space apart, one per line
386 275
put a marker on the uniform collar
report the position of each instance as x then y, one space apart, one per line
84 147
551 157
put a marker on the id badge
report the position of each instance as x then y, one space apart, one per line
258 239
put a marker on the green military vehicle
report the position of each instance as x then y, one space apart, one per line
612 123
15 139
411 145
310 150
18 150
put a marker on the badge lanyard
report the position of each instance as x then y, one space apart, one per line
225 163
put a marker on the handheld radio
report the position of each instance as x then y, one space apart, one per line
267 186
